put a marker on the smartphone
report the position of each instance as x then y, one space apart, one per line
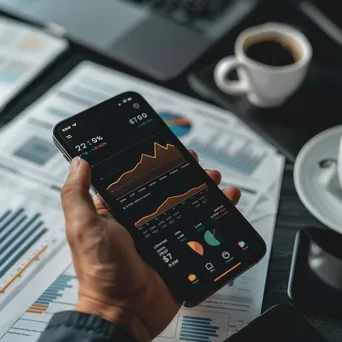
181 222
282 323
307 290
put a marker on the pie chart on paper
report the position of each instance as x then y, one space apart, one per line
196 247
179 125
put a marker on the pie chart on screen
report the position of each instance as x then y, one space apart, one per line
179 125
210 239
196 247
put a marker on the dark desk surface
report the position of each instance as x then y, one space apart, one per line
292 216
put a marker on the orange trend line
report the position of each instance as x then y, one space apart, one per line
2 291
141 160
231 269
156 212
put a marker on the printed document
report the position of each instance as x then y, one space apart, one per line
25 51
39 280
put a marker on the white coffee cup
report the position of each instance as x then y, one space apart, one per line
265 85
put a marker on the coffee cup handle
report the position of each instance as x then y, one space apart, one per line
222 69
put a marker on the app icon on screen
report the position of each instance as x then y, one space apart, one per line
242 244
192 277
209 266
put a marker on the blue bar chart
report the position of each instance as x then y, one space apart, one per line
31 232
243 158
198 326
61 295
55 293
19 234
197 329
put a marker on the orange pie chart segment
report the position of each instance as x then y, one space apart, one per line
196 247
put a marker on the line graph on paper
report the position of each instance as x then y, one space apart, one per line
31 232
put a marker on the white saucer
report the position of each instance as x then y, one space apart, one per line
318 188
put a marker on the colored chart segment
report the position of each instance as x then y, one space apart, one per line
53 294
169 203
210 239
179 125
228 271
161 160
196 247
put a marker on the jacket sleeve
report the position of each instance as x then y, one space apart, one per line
72 326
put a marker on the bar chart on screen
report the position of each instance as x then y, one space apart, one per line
61 295
31 232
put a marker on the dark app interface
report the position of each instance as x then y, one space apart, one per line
137 166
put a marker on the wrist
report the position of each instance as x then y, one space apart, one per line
128 320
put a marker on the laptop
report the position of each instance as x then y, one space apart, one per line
159 38
327 15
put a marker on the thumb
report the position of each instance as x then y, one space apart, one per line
76 200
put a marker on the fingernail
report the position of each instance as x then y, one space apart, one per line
75 163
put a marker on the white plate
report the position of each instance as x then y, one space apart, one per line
318 188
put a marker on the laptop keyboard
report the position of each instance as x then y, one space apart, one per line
332 10
188 12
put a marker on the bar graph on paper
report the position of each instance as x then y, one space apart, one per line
31 232
241 156
195 326
61 295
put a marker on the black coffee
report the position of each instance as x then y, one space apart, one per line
271 53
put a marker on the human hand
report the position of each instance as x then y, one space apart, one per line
114 282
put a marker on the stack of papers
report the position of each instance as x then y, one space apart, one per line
24 52
222 142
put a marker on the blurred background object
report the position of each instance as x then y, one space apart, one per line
160 38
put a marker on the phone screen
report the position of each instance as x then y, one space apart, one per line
192 233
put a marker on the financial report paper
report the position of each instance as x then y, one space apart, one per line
217 318
221 141
24 52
